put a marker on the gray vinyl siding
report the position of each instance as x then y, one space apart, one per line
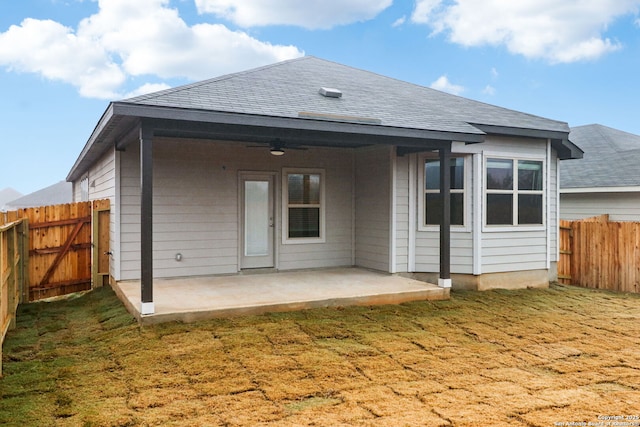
619 206
402 213
513 249
338 175
500 251
75 190
196 208
373 208
102 177
129 215
102 185
428 242
428 252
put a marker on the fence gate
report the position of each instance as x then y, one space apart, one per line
65 242
101 251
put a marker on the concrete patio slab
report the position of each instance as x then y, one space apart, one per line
198 298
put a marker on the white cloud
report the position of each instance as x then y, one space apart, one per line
311 14
489 90
127 38
424 10
398 22
54 51
557 31
445 85
494 73
147 88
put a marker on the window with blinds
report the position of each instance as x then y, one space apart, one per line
304 205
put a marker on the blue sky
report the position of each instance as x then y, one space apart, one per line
62 61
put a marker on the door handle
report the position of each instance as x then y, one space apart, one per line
270 221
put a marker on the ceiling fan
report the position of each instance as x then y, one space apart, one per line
277 147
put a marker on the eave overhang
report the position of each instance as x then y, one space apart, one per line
559 137
120 123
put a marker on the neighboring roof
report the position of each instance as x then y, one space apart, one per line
286 94
6 195
55 194
611 159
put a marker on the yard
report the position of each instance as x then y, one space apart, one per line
517 358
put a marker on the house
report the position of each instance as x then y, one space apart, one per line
56 194
606 180
6 195
308 164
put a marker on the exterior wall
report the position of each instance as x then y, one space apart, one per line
554 206
103 185
619 206
513 249
101 177
427 257
402 214
373 208
75 191
480 250
196 207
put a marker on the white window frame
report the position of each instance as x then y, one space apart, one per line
466 193
286 240
514 226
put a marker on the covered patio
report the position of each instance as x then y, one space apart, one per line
192 299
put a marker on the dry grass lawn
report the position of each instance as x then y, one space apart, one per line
498 358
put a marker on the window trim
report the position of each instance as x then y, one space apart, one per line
466 193
514 226
286 240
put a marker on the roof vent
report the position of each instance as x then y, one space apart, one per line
329 92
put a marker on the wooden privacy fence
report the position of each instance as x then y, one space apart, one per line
596 253
13 257
61 239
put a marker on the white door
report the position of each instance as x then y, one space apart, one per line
257 220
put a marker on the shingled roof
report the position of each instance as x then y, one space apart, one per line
611 159
286 89
286 95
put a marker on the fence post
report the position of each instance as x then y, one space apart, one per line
12 283
11 258
23 271
2 255
24 290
